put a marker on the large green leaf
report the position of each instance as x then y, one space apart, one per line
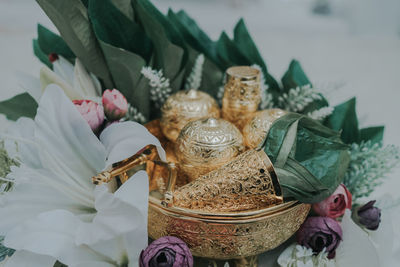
43 57
22 105
113 27
373 134
344 119
245 43
125 68
170 53
310 159
229 54
71 19
294 76
125 6
50 42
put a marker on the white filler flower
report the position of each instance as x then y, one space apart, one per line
54 212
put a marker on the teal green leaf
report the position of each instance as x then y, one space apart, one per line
71 19
50 42
245 43
170 53
22 105
229 54
113 27
4 251
125 68
43 57
125 6
294 76
310 159
193 35
373 134
344 119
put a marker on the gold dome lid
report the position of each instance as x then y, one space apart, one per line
255 131
206 144
183 107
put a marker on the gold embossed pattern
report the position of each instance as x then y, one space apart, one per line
205 145
242 95
218 239
257 128
246 183
183 107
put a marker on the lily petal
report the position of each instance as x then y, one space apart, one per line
30 84
83 82
123 140
28 259
63 68
48 77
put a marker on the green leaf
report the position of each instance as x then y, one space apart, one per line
344 119
294 76
229 53
125 6
373 134
50 42
44 58
170 53
113 27
125 68
193 35
22 105
310 158
71 19
245 43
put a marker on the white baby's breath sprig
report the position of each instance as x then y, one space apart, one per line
266 97
297 99
321 113
369 165
160 87
299 256
195 77
133 114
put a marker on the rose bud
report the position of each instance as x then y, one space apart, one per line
335 205
167 251
115 104
92 112
367 216
318 233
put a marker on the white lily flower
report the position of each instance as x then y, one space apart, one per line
75 80
54 211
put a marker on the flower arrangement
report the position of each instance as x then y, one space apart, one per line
110 71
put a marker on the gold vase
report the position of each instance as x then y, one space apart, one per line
256 129
242 95
206 144
183 107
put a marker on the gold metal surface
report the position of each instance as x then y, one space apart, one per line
206 144
249 182
183 107
227 239
257 128
242 95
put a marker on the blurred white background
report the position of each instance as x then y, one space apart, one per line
354 43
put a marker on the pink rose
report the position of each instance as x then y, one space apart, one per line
335 205
115 104
92 112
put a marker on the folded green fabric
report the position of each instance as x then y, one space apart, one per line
309 158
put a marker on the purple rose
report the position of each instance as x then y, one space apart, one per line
167 251
368 216
318 233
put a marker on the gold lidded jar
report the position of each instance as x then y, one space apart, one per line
183 107
206 144
242 94
257 128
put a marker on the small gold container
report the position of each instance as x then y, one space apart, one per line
257 128
242 95
183 107
206 144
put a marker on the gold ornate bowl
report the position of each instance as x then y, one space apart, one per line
227 235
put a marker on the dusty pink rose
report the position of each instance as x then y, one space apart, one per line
92 112
115 104
335 205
